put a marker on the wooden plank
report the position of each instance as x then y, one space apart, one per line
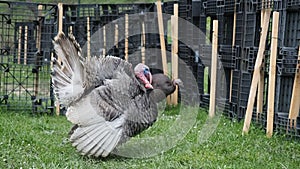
88 41
143 43
295 100
25 44
213 74
116 35
126 37
60 17
256 74
174 31
272 74
19 44
162 37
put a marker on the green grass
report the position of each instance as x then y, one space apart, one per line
30 141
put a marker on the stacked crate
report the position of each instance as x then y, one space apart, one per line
239 59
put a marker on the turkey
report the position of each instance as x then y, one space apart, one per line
106 99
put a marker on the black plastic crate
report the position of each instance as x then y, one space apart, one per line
204 100
287 61
236 75
282 124
200 77
239 30
248 62
210 7
238 56
293 4
284 88
252 29
233 109
225 29
292 29
273 4
245 85
185 10
227 56
250 5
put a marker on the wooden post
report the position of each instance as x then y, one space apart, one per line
25 44
116 35
213 74
104 40
126 37
162 38
19 45
88 38
233 44
143 43
272 74
38 46
60 17
256 74
260 92
174 27
39 28
70 29
295 100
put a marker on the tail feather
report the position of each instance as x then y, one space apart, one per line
68 70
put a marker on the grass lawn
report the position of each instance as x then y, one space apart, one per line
29 141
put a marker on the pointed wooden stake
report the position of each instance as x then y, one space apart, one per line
295 100
272 74
174 26
256 74
162 37
213 74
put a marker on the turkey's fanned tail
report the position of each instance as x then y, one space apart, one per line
67 71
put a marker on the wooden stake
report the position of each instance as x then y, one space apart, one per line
143 43
25 44
39 28
126 37
213 74
162 38
88 38
272 74
295 100
60 17
19 44
260 90
116 35
104 40
233 44
70 29
174 27
256 74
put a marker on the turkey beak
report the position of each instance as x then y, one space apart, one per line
149 77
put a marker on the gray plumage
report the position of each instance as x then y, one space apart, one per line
104 99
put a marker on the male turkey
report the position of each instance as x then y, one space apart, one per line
107 101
